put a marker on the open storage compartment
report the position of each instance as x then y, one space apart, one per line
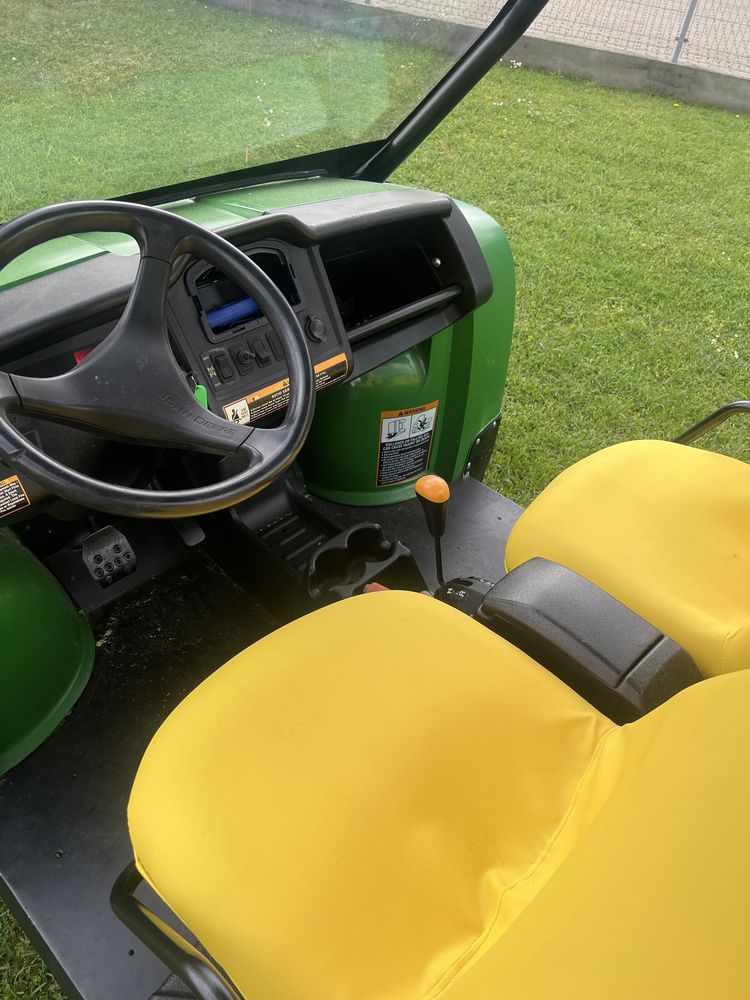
400 273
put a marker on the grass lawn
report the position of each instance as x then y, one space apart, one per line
102 98
629 217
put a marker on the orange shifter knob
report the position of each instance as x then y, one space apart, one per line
433 488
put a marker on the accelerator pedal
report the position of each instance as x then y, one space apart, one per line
108 556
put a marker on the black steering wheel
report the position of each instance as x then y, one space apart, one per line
131 387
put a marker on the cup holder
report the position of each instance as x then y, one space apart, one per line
345 564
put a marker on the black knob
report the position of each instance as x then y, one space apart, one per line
315 329
244 356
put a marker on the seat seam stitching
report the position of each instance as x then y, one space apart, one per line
456 967
726 645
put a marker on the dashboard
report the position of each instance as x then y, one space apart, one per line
368 277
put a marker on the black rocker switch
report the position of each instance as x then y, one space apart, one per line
434 493
223 365
260 351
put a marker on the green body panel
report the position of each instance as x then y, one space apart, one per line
284 194
216 211
463 367
47 652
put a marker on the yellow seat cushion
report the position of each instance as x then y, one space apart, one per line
663 528
360 805
653 902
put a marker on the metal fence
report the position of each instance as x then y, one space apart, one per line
712 34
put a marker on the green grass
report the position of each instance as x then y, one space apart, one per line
629 216
103 98
23 975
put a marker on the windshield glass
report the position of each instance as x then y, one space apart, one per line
108 97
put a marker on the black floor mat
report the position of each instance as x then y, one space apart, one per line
63 836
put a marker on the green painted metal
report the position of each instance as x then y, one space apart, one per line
285 194
46 652
464 367
46 258
215 212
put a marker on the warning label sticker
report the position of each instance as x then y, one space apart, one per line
405 442
275 397
12 496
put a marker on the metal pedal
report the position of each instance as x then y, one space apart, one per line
108 556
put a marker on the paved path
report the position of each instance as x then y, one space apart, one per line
717 38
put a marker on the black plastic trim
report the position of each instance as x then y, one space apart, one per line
509 25
482 449
194 968
438 300
98 288
309 224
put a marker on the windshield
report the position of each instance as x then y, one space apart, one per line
107 97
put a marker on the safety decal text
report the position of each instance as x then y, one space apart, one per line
12 496
405 443
275 397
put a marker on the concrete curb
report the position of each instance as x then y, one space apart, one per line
617 69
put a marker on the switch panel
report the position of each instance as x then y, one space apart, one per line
236 354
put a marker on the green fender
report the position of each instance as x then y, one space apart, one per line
46 652
462 369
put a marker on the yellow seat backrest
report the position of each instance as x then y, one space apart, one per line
384 800
654 901
661 527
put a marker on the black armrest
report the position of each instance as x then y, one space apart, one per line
614 659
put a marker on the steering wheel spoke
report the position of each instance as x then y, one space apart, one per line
263 443
146 311
131 387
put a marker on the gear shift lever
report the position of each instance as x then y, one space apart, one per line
434 493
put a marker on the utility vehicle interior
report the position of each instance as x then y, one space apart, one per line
291 704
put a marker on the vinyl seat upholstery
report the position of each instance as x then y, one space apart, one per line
663 528
358 803
385 800
652 903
